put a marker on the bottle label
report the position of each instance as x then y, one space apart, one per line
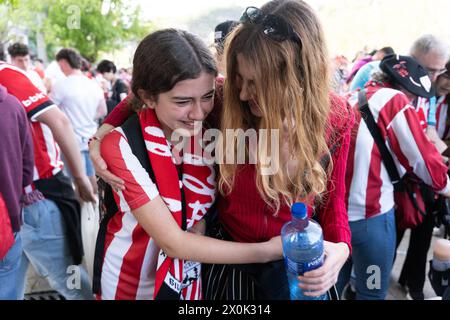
301 267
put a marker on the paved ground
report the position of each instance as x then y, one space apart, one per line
395 290
36 284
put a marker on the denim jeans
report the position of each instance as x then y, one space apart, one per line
9 271
45 245
90 172
87 163
373 243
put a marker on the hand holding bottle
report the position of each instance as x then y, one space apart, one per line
319 281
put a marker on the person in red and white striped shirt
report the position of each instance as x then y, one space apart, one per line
47 159
442 127
432 53
147 251
442 112
46 234
370 192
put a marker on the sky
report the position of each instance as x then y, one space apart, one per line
349 25
170 9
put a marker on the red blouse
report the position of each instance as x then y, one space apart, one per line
247 218
245 215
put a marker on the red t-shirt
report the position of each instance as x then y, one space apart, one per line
247 218
46 151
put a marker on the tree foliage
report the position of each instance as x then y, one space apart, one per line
91 26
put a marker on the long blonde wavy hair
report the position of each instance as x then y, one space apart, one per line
290 83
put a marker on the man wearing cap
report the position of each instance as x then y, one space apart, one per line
220 34
370 192
432 53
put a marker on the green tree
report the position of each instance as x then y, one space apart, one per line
91 26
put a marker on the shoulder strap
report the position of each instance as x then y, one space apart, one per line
386 156
132 130
431 119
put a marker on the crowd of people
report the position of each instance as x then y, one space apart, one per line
177 222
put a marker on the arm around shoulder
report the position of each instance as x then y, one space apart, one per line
157 221
64 135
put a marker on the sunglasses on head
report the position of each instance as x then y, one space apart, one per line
275 27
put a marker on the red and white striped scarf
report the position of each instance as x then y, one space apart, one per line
175 278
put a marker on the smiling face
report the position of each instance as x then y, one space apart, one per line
185 106
246 84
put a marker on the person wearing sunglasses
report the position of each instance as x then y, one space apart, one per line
432 53
443 96
277 79
371 182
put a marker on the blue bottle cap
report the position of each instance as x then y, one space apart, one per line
299 210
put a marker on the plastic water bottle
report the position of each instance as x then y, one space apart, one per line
302 249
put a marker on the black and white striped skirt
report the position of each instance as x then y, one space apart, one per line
247 281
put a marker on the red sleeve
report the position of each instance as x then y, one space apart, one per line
17 83
139 188
410 145
120 113
332 213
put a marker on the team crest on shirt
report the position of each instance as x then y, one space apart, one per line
191 273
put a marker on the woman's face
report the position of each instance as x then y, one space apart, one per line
245 82
443 84
185 106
